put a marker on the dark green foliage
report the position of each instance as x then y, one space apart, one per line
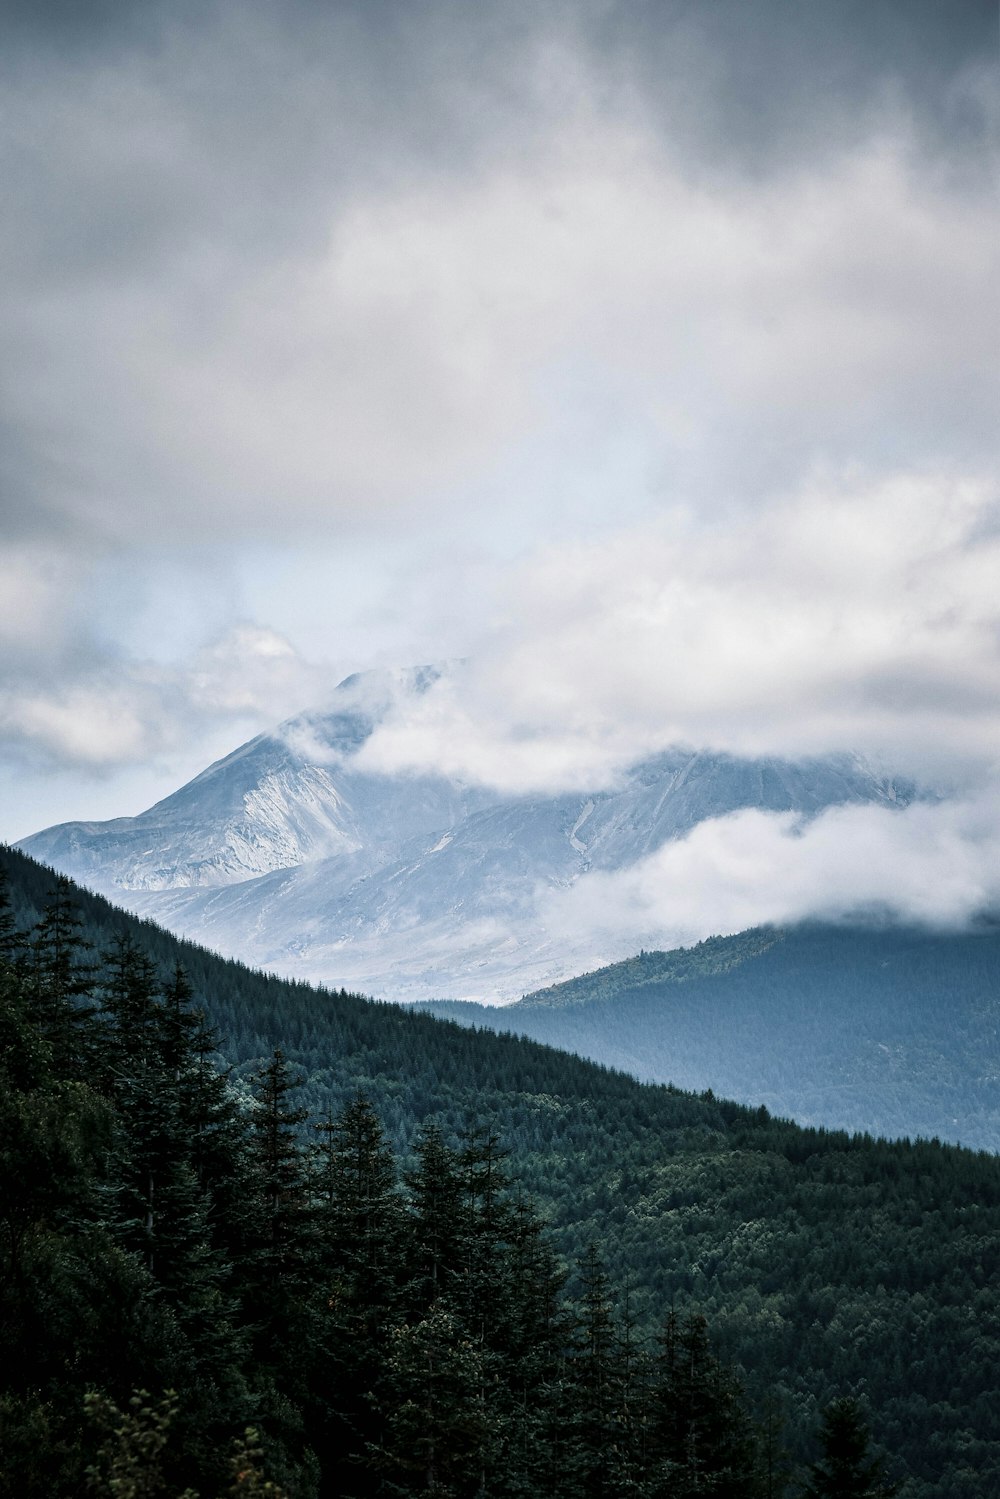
823 1262
438 1433
847 1469
888 1030
128 1464
700 1437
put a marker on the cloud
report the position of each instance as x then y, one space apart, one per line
934 864
686 310
99 714
241 309
856 615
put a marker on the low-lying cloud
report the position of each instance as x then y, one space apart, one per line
934 864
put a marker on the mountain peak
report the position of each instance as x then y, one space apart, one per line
289 854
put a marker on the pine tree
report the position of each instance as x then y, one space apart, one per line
134 1077
701 1439
282 1297
62 983
13 942
286 1212
604 1462
437 1434
538 1437
360 1214
848 1469
360 1222
438 1233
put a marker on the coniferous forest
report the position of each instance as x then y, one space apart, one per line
261 1239
879 1027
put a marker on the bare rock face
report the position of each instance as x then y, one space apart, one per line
287 855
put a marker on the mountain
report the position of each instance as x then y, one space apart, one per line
892 1030
280 801
825 1262
290 855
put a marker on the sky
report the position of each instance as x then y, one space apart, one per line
642 356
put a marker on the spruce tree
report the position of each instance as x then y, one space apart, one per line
62 983
438 1232
701 1439
438 1436
360 1227
848 1468
604 1463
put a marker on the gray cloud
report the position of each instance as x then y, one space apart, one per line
319 263
626 290
98 712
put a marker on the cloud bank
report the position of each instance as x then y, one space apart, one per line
101 716
856 616
930 864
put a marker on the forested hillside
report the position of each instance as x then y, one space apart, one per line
826 1265
893 1030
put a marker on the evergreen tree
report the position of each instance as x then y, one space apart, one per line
848 1469
604 1461
438 1435
701 1439
285 1198
62 982
360 1215
13 942
438 1232
281 1294
361 1223
538 1440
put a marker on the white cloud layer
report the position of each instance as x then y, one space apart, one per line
860 615
933 864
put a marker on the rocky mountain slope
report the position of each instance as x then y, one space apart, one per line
289 855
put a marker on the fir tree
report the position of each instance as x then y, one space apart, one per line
848 1469
701 1439
62 982
438 1434
437 1205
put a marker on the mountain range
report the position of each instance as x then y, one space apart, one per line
290 855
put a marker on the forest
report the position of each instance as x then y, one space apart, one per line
338 1248
886 1028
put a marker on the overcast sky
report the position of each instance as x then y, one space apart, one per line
644 354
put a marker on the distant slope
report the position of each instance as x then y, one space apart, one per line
896 1031
289 855
713 956
824 1262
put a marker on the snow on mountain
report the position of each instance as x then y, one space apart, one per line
288 856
